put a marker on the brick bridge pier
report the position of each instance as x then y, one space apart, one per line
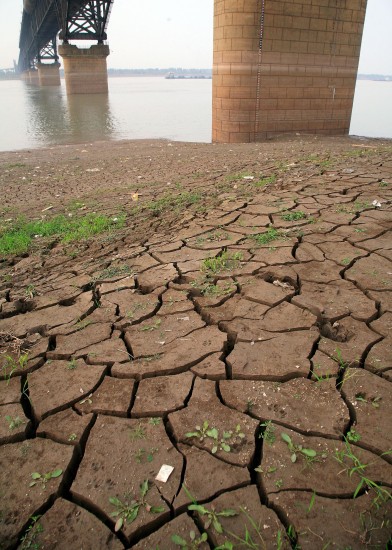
284 66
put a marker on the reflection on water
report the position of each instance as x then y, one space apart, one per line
55 118
136 108
143 108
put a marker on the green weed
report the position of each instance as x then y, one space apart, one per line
18 239
43 479
13 423
114 271
29 540
265 181
222 443
137 433
173 202
268 434
293 216
128 510
225 262
296 450
11 365
265 238
212 516
194 542
357 468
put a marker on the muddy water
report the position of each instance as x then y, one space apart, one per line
143 108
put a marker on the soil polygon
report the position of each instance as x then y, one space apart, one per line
181 526
325 414
64 427
252 520
370 396
12 423
278 356
120 455
61 383
335 300
65 526
156 396
204 406
318 473
112 397
19 501
340 523
221 476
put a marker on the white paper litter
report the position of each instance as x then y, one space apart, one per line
164 473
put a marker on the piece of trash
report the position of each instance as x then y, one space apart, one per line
248 178
47 208
93 170
282 285
183 318
114 219
135 197
335 325
164 473
376 203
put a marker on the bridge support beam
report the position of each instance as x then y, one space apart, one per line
283 67
85 69
49 74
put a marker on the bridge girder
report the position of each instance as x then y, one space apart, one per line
74 19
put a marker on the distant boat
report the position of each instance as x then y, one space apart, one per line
172 76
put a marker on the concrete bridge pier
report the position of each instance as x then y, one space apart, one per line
282 67
31 77
49 74
85 69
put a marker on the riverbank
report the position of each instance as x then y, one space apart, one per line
232 321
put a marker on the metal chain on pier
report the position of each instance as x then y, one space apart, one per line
261 10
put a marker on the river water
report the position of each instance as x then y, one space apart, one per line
144 108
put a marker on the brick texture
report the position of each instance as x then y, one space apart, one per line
294 70
85 69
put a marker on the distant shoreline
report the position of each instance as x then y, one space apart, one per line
179 74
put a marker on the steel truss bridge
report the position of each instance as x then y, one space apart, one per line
44 20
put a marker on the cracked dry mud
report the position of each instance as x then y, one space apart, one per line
246 344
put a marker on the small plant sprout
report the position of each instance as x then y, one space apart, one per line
268 434
193 543
224 262
252 537
142 454
44 478
30 291
223 443
353 466
293 216
72 437
13 423
11 365
137 433
297 449
353 436
127 511
152 326
29 539
72 364
212 516
155 421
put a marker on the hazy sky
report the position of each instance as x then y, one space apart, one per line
178 33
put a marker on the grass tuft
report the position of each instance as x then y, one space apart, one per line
18 238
